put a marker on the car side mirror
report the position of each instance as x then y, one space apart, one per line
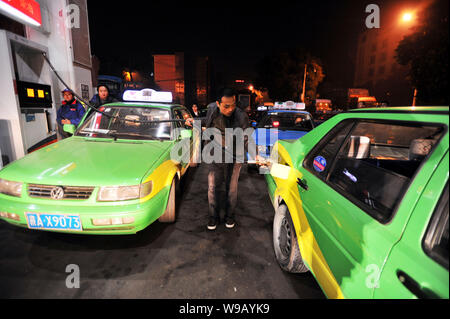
186 134
69 128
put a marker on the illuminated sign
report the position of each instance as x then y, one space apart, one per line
289 105
147 95
25 11
34 95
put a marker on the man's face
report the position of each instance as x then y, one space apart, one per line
195 108
103 93
227 105
68 96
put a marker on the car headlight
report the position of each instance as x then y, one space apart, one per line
121 193
10 188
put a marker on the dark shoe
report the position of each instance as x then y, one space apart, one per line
230 223
213 222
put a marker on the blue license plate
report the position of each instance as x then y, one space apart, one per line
54 221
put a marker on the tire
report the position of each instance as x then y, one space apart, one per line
285 242
169 215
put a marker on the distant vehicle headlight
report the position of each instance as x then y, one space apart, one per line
121 193
10 188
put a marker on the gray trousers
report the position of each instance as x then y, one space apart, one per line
218 175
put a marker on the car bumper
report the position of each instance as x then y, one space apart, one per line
144 213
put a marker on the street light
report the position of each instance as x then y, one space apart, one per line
407 17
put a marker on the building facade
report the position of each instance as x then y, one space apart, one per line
376 66
186 76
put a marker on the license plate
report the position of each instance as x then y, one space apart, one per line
54 221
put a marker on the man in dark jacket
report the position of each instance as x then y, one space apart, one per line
71 112
221 117
102 97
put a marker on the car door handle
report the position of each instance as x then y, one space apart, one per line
415 288
302 184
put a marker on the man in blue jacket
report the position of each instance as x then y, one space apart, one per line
71 112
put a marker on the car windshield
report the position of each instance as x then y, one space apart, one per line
136 123
288 121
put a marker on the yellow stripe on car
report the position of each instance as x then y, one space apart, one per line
161 177
287 190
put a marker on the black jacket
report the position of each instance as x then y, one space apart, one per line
239 119
97 102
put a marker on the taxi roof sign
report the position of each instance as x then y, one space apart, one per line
147 95
289 105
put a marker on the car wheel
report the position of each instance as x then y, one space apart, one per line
169 214
285 242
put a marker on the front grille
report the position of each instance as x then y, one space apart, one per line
70 192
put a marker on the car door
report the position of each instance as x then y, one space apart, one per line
417 267
355 179
181 113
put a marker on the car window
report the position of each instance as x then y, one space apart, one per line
435 242
181 114
287 121
140 123
320 159
377 162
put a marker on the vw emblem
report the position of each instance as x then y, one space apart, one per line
57 193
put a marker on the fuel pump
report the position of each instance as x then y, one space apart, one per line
27 87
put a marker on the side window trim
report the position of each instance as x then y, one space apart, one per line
344 142
434 227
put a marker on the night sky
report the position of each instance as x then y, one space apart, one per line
235 34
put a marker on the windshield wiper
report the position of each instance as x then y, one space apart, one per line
116 135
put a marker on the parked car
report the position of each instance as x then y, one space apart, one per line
280 123
364 205
114 176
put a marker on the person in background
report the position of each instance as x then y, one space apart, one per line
70 112
195 111
102 97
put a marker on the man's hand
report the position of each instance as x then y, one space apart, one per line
64 122
261 161
189 121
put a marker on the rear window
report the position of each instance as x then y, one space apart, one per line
288 121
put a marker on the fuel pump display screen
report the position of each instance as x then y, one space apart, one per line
33 95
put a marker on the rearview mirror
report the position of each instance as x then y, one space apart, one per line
69 128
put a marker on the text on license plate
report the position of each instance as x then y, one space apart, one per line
54 221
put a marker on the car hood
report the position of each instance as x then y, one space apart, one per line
87 162
274 135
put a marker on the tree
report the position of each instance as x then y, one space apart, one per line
425 52
283 74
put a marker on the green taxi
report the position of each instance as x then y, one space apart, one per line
115 175
363 203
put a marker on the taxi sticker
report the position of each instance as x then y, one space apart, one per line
320 163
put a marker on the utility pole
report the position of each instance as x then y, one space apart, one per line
415 97
304 84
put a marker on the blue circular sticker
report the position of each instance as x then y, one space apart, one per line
320 164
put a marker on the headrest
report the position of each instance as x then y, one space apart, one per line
420 148
359 147
132 120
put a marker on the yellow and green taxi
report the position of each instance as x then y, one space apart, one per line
362 203
115 175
